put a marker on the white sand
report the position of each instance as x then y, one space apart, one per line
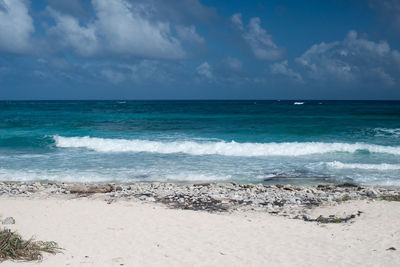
136 234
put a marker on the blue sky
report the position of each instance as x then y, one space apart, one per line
192 49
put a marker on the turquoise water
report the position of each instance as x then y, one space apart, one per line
191 141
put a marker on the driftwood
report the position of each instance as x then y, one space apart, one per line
91 189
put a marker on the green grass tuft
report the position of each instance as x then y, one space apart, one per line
329 220
344 198
390 197
13 247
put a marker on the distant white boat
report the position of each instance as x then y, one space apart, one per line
298 103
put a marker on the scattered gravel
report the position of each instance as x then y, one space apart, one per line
286 200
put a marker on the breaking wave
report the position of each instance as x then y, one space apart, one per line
219 148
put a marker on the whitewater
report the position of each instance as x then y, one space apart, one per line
219 148
265 142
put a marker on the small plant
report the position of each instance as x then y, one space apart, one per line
335 220
390 197
321 219
13 247
344 198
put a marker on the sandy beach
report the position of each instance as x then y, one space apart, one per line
143 233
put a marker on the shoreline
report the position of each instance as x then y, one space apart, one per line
294 202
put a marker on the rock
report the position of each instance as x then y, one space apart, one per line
372 193
8 220
347 185
288 187
91 189
202 184
309 217
257 209
309 195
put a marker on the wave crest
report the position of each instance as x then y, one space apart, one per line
363 166
218 148
394 132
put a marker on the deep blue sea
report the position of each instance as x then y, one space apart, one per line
303 142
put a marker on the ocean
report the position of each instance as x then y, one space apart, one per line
270 142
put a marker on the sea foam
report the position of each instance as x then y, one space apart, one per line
218 148
394 132
121 175
362 166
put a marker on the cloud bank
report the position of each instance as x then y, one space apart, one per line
16 26
351 60
119 28
150 44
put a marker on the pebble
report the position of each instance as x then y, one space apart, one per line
8 220
309 217
372 193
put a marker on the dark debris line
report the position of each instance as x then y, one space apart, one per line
286 200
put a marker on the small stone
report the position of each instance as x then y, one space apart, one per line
347 185
391 248
309 217
372 193
8 220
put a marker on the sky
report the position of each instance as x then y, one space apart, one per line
199 49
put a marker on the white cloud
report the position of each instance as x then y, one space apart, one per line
282 69
16 26
383 76
125 30
119 28
237 21
396 58
258 39
350 60
233 63
188 33
204 70
113 76
152 71
68 31
149 70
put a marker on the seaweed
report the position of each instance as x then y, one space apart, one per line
13 247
